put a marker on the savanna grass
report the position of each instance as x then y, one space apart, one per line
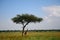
30 36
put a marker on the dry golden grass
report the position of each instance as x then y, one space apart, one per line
30 36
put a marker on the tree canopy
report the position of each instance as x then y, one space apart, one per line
26 18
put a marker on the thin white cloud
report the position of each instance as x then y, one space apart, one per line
53 17
9 25
52 10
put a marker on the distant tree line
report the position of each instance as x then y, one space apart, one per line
29 30
43 30
10 30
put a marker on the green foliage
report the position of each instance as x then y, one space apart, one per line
26 18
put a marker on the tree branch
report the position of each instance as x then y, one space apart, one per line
26 24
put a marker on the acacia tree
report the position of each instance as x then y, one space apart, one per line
25 19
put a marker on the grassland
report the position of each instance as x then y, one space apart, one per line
30 36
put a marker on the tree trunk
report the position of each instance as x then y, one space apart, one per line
23 30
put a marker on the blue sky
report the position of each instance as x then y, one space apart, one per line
10 8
